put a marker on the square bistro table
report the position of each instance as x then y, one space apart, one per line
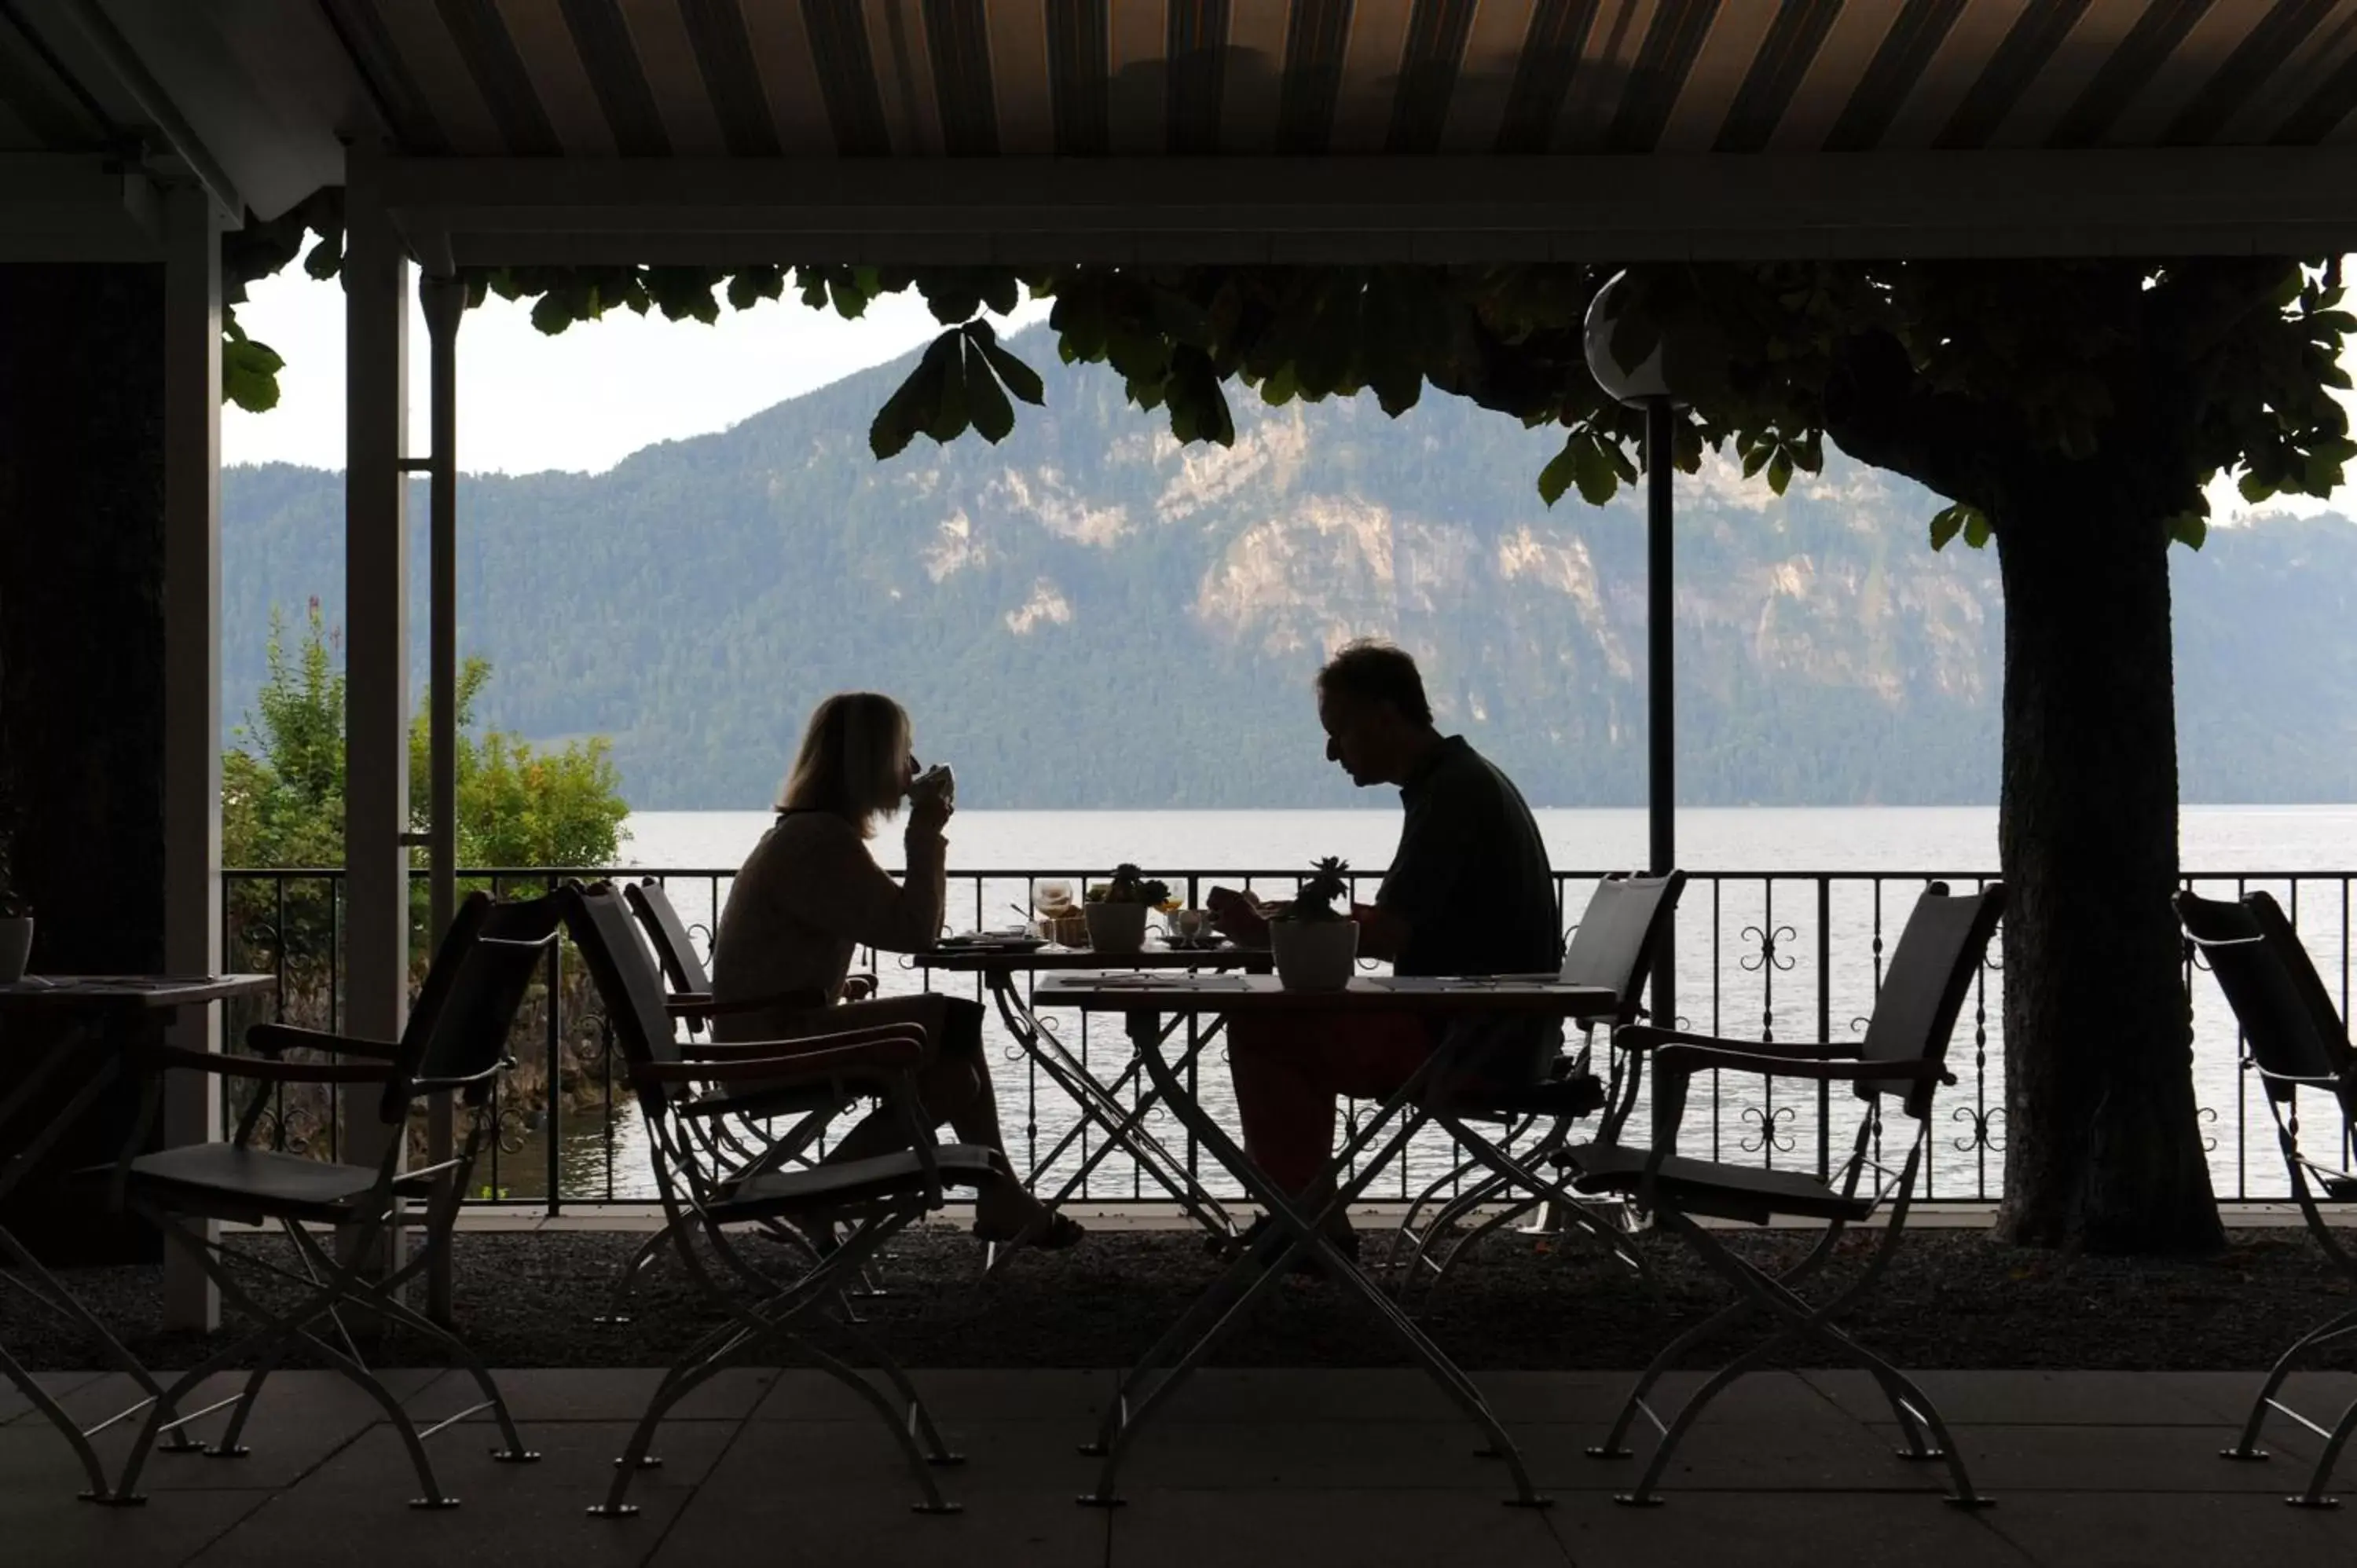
1144 1000
1100 1102
105 1012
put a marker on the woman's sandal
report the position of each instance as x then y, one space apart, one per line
1057 1232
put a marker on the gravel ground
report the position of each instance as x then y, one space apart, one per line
1950 1299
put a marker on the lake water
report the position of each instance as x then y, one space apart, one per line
1764 949
1932 838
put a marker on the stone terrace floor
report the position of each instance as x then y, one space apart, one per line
1246 1467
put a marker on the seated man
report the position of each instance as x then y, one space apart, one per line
1469 892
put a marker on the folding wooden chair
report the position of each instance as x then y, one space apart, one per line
746 1139
680 1085
1624 926
456 1040
689 982
1900 1057
2294 1038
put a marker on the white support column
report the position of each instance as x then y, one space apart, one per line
376 620
192 758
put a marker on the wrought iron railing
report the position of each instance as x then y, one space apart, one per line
1760 955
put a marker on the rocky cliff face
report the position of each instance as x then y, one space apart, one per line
1093 615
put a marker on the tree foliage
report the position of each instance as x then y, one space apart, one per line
282 795
2206 365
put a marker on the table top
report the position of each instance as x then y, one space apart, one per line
1367 992
1051 959
148 991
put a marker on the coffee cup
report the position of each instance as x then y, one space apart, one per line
1192 925
935 783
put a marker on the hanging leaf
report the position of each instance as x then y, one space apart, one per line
986 401
2190 529
753 285
1021 379
1946 524
1977 531
1780 470
250 373
1593 470
1555 478
915 402
949 415
1199 408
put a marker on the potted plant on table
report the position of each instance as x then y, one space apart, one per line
1116 910
1314 943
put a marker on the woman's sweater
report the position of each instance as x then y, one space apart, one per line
807 897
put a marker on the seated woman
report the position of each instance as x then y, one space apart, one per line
810 894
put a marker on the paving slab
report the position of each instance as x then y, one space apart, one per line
300 1419
820 1457
354 1512
2227 1396
1076 1397
42 1523
1314 1454
1772 1529
2079 1459
614 1393
2039 1397
1838 1456
2138 1530
841 1495
1776 1398
14 1405
1165 1527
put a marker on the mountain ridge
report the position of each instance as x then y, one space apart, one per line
1089 615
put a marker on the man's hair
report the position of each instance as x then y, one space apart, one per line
1377 673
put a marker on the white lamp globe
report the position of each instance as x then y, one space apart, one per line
1641 383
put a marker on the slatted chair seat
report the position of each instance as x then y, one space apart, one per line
816 1189
1902 1059
710 1191
2294 1038
249 1186
1751 1194
456 1042
736 1118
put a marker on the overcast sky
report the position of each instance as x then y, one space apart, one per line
588 397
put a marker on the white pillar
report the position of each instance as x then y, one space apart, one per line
376 632
192 758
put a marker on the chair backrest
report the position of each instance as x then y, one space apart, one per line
674 948
1932 969
1626 922
2286 1013
467 1003
626 978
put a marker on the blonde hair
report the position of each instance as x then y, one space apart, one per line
850 759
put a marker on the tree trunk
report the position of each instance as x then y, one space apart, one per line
2102 1149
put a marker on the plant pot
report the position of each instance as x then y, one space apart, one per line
1314 955
1116 928
16 946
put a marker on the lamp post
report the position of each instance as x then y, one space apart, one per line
1645 385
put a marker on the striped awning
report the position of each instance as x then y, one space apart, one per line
518 131
1081 77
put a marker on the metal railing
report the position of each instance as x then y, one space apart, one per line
1759 955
